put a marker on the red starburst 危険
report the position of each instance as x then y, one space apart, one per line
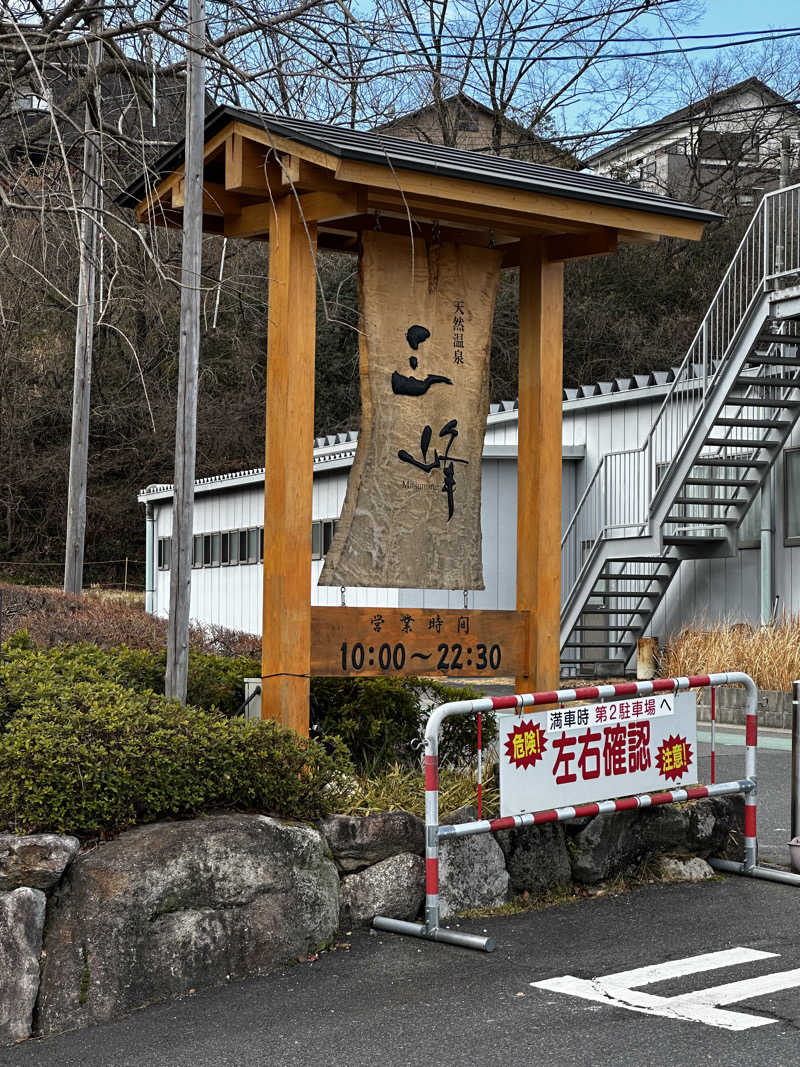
526 744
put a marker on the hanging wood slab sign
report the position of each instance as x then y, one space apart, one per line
392 641
412 514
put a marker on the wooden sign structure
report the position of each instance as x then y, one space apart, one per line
305 186
392 641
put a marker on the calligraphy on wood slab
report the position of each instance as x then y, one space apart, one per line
412 514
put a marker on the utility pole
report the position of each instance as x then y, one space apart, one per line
186 420
84 325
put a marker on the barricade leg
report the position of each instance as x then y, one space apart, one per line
430 929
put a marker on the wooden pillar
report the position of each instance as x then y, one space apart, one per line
288 480
541 300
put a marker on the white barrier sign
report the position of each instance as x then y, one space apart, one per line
575 755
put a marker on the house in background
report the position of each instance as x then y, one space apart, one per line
722 151
469 125
42 115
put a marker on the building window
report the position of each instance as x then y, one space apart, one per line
791 496
225 549
197 550
164 553
206 550
726 147
233 546
467 122
252 545
243 546
261 545
322 532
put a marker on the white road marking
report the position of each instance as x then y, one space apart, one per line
662 972
618 990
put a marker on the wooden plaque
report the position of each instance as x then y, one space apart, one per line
347 642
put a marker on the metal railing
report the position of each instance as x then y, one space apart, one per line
618 500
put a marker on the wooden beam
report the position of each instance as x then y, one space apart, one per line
541 289
638 238
481 238
252 221
163 188
285 144
319 206
306 177
289 468
519 201
247 169
216 201
571 246
480 217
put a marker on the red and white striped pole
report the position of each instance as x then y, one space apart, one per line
713 734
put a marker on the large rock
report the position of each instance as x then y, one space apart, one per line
610 843
38 860
359 842
21 923
395 887
536 858
472 870
172 906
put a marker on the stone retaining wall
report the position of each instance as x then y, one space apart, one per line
774 707
169 907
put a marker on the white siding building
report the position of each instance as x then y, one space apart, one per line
597 420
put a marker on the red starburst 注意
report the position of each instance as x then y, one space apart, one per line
674 757
526 744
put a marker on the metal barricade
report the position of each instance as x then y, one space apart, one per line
435 833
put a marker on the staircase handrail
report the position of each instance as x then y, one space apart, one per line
758 224
757 267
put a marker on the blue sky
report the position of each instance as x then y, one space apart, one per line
685 78
725 15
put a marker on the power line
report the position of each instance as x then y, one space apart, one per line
609 57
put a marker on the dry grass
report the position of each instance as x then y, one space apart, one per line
399 789
53 617
769 654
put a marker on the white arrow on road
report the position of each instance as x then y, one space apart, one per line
620 989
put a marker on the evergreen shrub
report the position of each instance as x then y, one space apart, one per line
382 720
83 754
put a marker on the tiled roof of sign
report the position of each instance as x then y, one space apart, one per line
374 147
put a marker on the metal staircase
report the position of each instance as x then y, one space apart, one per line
683 493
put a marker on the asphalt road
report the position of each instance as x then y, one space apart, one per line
399 1002
774 774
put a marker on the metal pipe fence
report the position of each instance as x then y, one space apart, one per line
435 833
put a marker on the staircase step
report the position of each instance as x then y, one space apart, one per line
761 402
729 461
601 630
775 380
777 339
711 501
692 539
655 560
776 424
746 443
755 360
686 521
745 483
630 595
